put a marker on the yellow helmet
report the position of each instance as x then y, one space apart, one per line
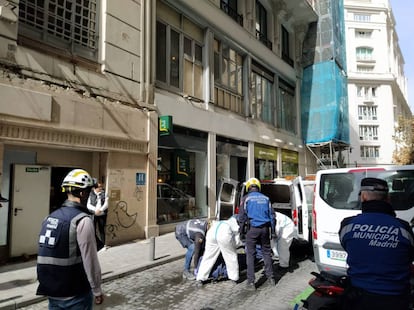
252 182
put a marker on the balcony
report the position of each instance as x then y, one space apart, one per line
303 10
231 12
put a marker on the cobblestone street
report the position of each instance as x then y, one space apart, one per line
162 287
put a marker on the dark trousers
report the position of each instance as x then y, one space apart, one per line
357 299
100 222
258 235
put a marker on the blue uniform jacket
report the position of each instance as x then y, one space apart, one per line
380 249
256 208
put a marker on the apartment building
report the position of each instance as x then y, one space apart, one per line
227 75
377 87
156 99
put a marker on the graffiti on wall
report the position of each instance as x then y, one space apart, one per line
123 220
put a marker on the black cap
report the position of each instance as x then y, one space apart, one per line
374 184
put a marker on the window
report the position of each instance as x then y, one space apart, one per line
286 46
364 53
363 34
228 70
368 133
362 18
179 60
262 104
367 113
193 68
367 92
69 26
365 69
261 25
369 151
230 7
286 112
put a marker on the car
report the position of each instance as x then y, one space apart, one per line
336 196
173 204
286 196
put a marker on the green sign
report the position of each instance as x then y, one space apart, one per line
32 169
265 152
165 125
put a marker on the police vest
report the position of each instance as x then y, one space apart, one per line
59 263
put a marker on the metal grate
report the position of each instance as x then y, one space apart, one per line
71 21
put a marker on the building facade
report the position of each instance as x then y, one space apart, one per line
156 99
377 85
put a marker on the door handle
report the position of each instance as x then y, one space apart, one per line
16 210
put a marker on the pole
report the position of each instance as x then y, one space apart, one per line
152 248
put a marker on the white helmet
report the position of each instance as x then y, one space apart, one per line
77 179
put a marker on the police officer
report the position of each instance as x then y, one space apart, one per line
68 269
380 252
257 218
191 235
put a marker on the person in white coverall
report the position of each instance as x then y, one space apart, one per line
222 236
285 232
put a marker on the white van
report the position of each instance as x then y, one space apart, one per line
286 196
336 197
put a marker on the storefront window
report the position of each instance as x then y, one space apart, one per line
290 163
182 168
265 160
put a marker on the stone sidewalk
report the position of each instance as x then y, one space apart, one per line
18 282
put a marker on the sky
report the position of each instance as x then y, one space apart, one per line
403 11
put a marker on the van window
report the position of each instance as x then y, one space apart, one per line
340 190
277 193
226 192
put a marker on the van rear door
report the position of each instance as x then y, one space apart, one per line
300 213
227 198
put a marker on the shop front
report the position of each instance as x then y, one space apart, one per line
265 162
290 163
182 175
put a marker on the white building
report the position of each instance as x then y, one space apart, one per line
377 87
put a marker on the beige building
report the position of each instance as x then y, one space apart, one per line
178 93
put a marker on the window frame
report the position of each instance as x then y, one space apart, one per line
373 151
367 112
36 30
286 109
261 25
183 58
268 107
364 53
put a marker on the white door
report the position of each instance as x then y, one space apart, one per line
301 207
30 205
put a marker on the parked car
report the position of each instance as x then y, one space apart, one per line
336 197
173 203
286 196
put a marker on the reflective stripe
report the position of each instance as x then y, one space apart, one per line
59 261
406 234
73 242
346 229
194 229
219 224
